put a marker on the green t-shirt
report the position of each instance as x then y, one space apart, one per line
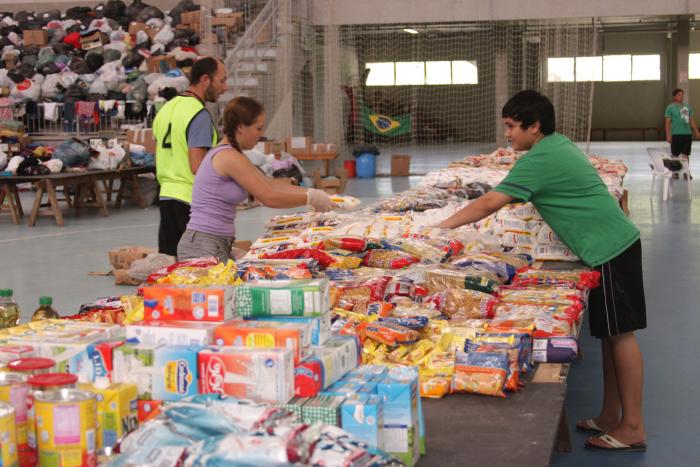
680 118
569 194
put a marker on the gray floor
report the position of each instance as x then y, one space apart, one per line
46 260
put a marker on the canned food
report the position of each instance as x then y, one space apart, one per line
8 435
65 428
14 390
44 382
32 366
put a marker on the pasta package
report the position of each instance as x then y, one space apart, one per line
467 304
480 373
388 259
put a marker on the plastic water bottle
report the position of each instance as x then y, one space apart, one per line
9 311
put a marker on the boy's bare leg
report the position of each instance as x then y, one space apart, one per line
629 369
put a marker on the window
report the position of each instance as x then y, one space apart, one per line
464 72
422 73
380 74
617 68
410 73
560 70
438 73
646 67
589 68
610 68
694 66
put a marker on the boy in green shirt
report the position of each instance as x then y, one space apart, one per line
559 180
680 125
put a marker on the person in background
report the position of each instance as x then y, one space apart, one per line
680 125
184 131
559 180
226 177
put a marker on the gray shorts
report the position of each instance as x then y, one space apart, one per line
194 244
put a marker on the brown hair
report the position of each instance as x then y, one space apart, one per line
240 111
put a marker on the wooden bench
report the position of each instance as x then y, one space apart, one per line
85 186
644 130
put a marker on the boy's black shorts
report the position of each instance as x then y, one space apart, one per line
681 144
617 306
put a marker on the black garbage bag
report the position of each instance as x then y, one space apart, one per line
79 65
74 28
167 93
111 55
99 10
183 33
193 40
45 16
61 48
132 60
188 62
75 92
23 16
16 75
5 30
116 95
31 25
4 42
150 12
94 61
49 69
115 9
133 10
32 166
80 13
27 69
183 7
177 43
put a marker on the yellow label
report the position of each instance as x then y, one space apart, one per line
117 412
274 240
16 395
66 432
260 340
8 440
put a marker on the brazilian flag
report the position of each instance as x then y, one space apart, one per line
384 124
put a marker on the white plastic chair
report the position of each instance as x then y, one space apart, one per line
658 169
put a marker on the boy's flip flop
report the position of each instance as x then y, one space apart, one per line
615 445
589 425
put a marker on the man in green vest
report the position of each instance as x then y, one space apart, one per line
184 131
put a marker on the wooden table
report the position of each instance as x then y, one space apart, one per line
85 185
325 157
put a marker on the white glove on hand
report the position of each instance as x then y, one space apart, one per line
319 200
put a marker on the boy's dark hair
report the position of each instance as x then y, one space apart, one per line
204 66
676 91
528 107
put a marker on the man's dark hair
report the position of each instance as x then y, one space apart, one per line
528 107
204 66
676 91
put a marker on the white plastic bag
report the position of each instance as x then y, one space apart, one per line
3 160
165 36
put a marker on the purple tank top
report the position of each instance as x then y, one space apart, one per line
214 199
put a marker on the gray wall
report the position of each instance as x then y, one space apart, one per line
632 104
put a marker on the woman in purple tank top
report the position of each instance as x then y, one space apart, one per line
226 177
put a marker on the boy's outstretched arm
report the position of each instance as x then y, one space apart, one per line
482 207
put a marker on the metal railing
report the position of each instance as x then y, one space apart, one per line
80 118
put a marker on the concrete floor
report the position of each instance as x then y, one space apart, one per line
47 260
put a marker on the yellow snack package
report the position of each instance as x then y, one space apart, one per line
133 308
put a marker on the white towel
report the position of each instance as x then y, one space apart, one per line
51 111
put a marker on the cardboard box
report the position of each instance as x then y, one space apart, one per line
121 258
187 303
262 375
230 20
266 335
39 37
142 137
209 38
331 185
400 165
172 332
190 17
148 410
135 27
283 298
271 147
339 355
161 64
122 277
320 326
299 145
93 40
117 412
167 373
363 418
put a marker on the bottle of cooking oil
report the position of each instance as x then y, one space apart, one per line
45 310
9 311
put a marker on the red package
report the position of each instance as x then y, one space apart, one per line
357 244
388 333
324 259
148 410
308 378
382 309
388 259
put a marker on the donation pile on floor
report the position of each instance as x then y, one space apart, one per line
317 345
